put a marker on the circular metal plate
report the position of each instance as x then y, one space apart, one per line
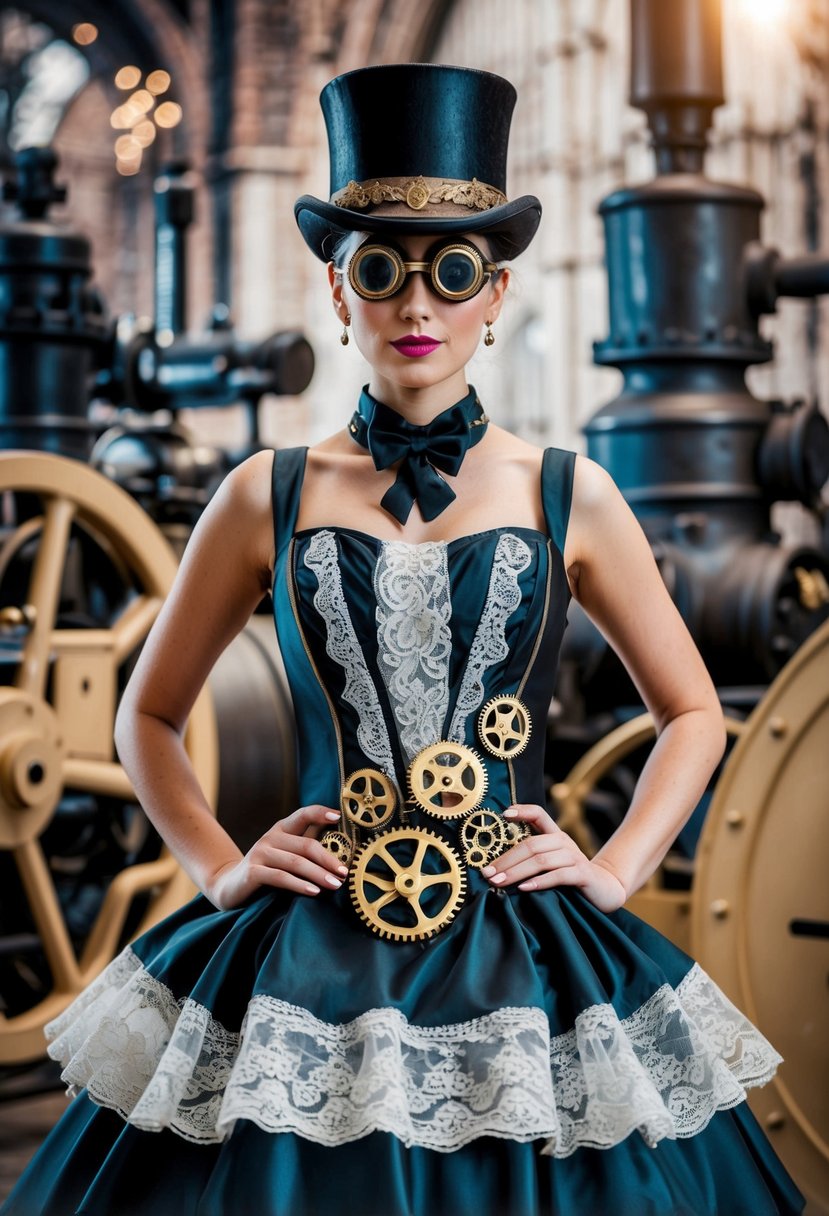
761 903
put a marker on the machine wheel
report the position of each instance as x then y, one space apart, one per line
760 915
665 908
68 536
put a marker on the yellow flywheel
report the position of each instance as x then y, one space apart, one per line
368 798
61 522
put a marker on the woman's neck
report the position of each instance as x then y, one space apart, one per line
419 405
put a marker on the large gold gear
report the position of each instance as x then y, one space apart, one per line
504 726
483 836
449 771
368 798
338 844
399 858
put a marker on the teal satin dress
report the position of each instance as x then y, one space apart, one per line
301 1055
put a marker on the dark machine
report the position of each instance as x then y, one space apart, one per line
700 460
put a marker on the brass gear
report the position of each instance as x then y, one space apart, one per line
447 770
400 857
338 844
504 726
516 829
483 836
368 798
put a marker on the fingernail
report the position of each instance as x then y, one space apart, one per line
311 889
488 871
342 870
332 881
332 815
510 811
498 877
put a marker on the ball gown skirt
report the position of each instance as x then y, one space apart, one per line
297 1055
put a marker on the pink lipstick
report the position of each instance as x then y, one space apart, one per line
415 345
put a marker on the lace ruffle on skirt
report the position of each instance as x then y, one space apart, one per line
159 1062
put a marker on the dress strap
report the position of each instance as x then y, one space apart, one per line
557 469
286 486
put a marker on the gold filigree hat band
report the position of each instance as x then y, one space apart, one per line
425 195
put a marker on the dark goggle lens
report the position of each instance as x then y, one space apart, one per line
458 274
374 273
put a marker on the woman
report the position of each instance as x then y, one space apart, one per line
471 1022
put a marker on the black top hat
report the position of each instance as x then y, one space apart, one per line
416 144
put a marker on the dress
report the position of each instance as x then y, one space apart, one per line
534 1056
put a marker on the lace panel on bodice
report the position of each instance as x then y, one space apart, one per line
342 645
414 640
512 556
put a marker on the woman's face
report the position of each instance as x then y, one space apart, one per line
417 311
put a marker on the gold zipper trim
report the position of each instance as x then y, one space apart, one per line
344 824
534 653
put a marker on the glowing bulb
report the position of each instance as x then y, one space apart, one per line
144 132
141 101
158 82
127 147
120 118
168 114
84 33
128 77
128 168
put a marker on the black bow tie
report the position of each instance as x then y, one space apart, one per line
442 444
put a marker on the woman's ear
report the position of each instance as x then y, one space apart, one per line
497 290
335 282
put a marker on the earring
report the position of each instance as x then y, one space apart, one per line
489 336
344 334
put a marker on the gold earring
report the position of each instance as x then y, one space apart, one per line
344 334
489 336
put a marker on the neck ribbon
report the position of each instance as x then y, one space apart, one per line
422 450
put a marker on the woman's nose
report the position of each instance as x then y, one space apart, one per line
416 296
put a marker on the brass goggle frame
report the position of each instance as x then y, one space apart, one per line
483 270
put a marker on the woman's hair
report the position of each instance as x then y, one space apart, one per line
345 246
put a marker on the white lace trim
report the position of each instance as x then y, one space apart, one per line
663 1071
342 646
489 646
411 587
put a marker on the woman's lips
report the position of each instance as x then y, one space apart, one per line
415 345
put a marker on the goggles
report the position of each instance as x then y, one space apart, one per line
456 270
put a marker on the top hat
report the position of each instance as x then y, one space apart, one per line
416 144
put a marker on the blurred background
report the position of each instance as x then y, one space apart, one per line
161 319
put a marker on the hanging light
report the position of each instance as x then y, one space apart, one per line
127 77
84 33
168 114
158 81
144 132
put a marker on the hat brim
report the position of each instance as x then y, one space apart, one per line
509 228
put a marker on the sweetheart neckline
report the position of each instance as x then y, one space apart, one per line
419 544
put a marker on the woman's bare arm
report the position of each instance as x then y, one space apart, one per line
615 578
224 573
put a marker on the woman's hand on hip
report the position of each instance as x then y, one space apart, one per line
288 855
551 858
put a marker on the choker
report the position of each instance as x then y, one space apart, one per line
422 450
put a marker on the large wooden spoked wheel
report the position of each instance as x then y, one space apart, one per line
62 526
760 916
666 909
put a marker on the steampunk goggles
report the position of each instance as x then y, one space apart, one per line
456 269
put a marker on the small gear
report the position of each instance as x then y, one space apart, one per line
483 836
338 844
400 864
516 830
504 726
368 798
447 779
